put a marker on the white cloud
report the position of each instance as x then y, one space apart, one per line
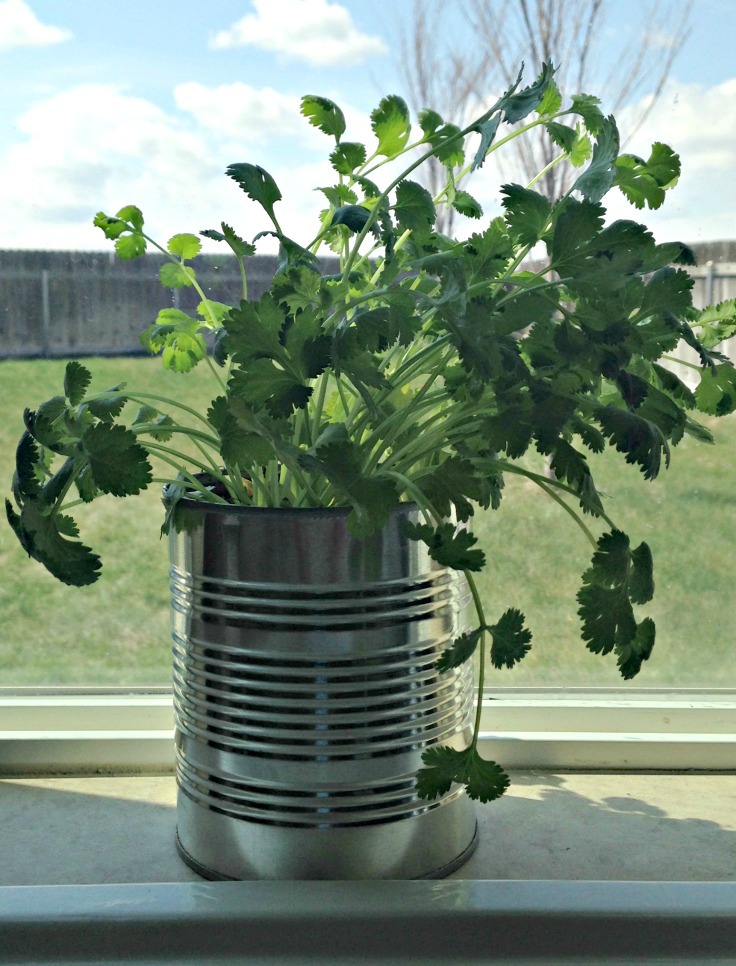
320 33
238 110
92 148
699 123
20 27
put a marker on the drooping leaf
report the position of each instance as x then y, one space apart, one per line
487 130
617 578
484 780
44 538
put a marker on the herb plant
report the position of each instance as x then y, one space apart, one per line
424 369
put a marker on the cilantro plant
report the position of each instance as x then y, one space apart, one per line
425 369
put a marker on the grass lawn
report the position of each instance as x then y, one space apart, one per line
116 632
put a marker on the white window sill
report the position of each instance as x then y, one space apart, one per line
631 858
576 867
132 733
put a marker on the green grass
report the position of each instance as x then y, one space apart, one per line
116 632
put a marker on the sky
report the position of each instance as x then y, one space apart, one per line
109 104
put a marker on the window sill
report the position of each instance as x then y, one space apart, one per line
602 867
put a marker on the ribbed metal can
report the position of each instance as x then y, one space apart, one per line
306 691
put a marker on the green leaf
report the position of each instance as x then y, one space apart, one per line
186 246
27 461
586 106
176 276
158 425
527 213
487 130
518 105
631 655
133 215
129 247
118 463
640 439
617 578
414 208
461 650
599 176
484 780
716 392
571 466
510 639
43 537
551 102
238 446
347 156
324 114
466 204
176 335
353 216
339 459
391 126
238 245
449 545
257 183
76 380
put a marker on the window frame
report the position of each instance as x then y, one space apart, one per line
131 731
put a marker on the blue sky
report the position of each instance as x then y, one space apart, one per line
106 104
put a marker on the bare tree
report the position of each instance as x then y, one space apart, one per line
457 79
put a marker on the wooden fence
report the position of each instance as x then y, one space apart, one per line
57 304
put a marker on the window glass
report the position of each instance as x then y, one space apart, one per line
104 106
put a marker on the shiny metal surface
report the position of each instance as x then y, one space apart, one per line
305 693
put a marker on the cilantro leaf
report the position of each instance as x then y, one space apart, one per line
449 545
599 176
353 217
414 208
186 246
44 537
466 204
511 641
117 462
484 780
324 114
527 213
617 578
391 126
257 183
716 392
238 245
347 156
76 380
461 650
